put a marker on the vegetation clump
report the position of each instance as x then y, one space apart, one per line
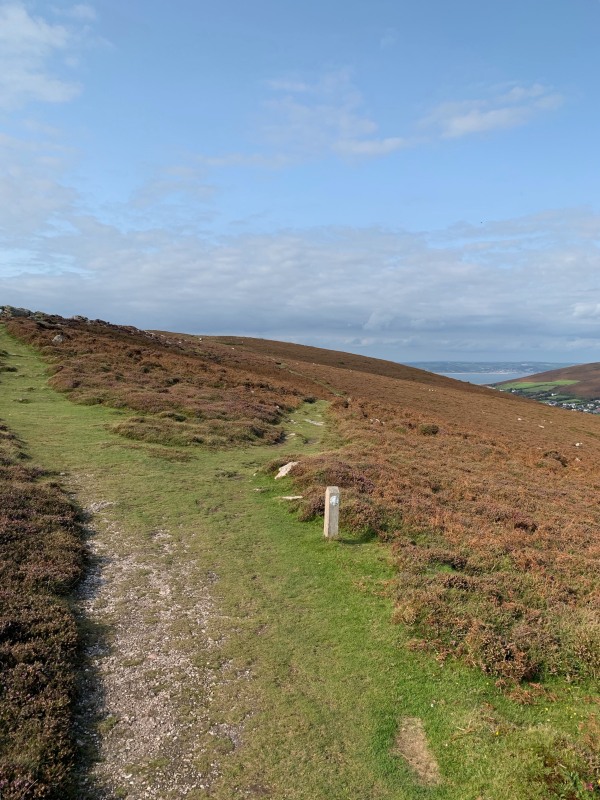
41 559
428 429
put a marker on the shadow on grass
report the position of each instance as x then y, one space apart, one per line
90 699
362 538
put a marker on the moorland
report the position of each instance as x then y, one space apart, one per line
448 643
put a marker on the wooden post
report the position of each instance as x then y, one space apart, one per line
332 512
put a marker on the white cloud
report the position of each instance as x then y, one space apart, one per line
23 34
586 310
178 183
259 160
81 11
371 147
531 284
517 94
285 85
33 53
501 110
32 195
176 197
378 321
325 117
313 119
304 120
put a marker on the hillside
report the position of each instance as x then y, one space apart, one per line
279 352
579 382
486 483
485 503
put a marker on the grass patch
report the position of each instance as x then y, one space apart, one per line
539 386
184 395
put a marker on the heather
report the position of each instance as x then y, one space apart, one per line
186 394
495 544
485 500
40 562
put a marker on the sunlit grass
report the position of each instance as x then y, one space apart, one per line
538 385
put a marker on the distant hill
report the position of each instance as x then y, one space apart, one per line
579 381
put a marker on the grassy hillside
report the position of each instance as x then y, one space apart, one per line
282 351
484 497
581 380
482 501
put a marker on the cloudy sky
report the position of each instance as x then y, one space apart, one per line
413 180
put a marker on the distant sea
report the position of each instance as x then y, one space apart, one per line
486 372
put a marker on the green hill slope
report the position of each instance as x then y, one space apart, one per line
581 380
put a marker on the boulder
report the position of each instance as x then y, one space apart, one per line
283 471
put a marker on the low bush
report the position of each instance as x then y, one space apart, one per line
41 559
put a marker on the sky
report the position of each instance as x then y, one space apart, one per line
404 180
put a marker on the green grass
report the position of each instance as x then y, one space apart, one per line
324 678
540 386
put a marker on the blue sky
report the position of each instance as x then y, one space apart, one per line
406 180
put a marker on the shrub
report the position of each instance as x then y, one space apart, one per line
41 558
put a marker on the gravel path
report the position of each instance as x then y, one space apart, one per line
144 726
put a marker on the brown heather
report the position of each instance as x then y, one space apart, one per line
213 397
489 502
40 561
